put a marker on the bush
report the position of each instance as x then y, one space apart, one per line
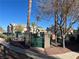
8 39
3 36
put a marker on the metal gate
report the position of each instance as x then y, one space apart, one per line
37 41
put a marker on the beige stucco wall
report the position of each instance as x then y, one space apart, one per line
46 40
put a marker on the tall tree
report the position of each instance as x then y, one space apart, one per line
37 20
63 9
29 14
56 18
27 41
66 6
19 28
1 30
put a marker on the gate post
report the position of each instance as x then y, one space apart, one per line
28 39
46 40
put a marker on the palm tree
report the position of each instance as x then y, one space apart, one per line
33 25
29 14
28 36
37 20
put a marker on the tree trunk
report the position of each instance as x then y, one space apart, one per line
64 32
29 14
56 18
28 36
63 37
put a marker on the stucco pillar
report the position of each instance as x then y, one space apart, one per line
28 38
46 40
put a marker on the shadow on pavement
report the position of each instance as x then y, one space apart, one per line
73 44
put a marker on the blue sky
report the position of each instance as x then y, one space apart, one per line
15 11
12 11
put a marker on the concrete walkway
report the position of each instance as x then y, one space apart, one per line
68 55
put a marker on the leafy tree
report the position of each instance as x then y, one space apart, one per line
19 28
1 29
78 30
60 9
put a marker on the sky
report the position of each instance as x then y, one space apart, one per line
15 11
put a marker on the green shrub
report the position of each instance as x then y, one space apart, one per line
8 39
3 36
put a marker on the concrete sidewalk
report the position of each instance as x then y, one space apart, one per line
68 55
35 55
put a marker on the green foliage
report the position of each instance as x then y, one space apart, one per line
33 24
75 31
19 28
8 39
3 36
38 18
78 29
